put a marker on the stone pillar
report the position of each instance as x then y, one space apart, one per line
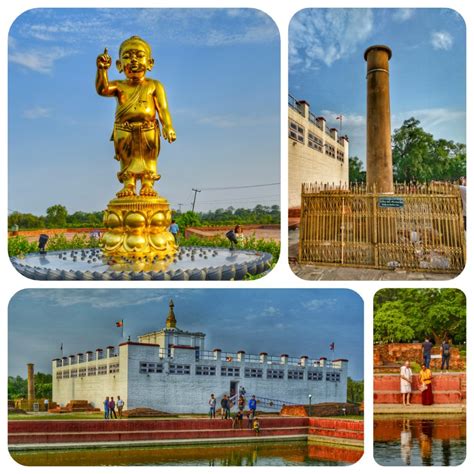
284 359
217 354
110 351
263 357
304 361
241 356
31 383
379 145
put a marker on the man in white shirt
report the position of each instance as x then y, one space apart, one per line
405 382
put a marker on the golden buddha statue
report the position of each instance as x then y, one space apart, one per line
137 223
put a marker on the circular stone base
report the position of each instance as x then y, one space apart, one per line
190 263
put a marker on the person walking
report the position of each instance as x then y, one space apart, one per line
120 405
224 405
426 388
212 406
426 351
253 404
174 229
405 382
445 355
112 413
46 405
106 408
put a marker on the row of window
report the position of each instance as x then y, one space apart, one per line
89 371
182 369
296 132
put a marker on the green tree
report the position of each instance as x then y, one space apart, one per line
404 315
355 390
417 156
18 386
356 172
56 216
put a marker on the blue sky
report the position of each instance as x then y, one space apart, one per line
427 69
221 71
296 322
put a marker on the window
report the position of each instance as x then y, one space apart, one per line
296 131
59 375
275 373
151 368
315 142
333 377
340 156
315 375
180 369
65 374
91 371
114 368
82 372
205 370
73 373
296 374
254 373
230 371
102 370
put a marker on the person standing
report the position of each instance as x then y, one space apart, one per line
212 406
174 229
106 408
426 351
46 405
405 382
224 404
445 355
120 405
112 413
253 404
426 388
241 403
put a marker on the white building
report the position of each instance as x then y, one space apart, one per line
316 154
170 370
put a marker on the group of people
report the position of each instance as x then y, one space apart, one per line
110 405
425 376
237 419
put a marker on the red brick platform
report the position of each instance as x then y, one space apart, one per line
448 388
99 431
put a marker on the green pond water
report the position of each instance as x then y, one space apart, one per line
254 454
420 441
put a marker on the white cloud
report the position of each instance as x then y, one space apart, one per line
442 40
99 299
38 60
37 113
319 304
326 36
270 311
403 14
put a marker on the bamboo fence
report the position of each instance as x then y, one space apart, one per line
418 227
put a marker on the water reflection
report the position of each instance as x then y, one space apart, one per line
434 441
264 454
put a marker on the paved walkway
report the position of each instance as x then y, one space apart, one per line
326 272
399 409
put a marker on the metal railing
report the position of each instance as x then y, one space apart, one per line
418 227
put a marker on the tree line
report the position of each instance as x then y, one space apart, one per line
407 315
419 157
18 386
57 217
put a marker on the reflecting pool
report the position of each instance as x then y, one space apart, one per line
294 453
420 441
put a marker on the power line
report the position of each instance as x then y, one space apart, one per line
240 187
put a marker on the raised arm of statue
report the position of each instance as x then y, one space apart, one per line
102 84
161 105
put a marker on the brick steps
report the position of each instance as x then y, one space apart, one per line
103 431
439 397
114 436
44 426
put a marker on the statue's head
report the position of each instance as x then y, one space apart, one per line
135 57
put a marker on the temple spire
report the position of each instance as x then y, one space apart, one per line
171 319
